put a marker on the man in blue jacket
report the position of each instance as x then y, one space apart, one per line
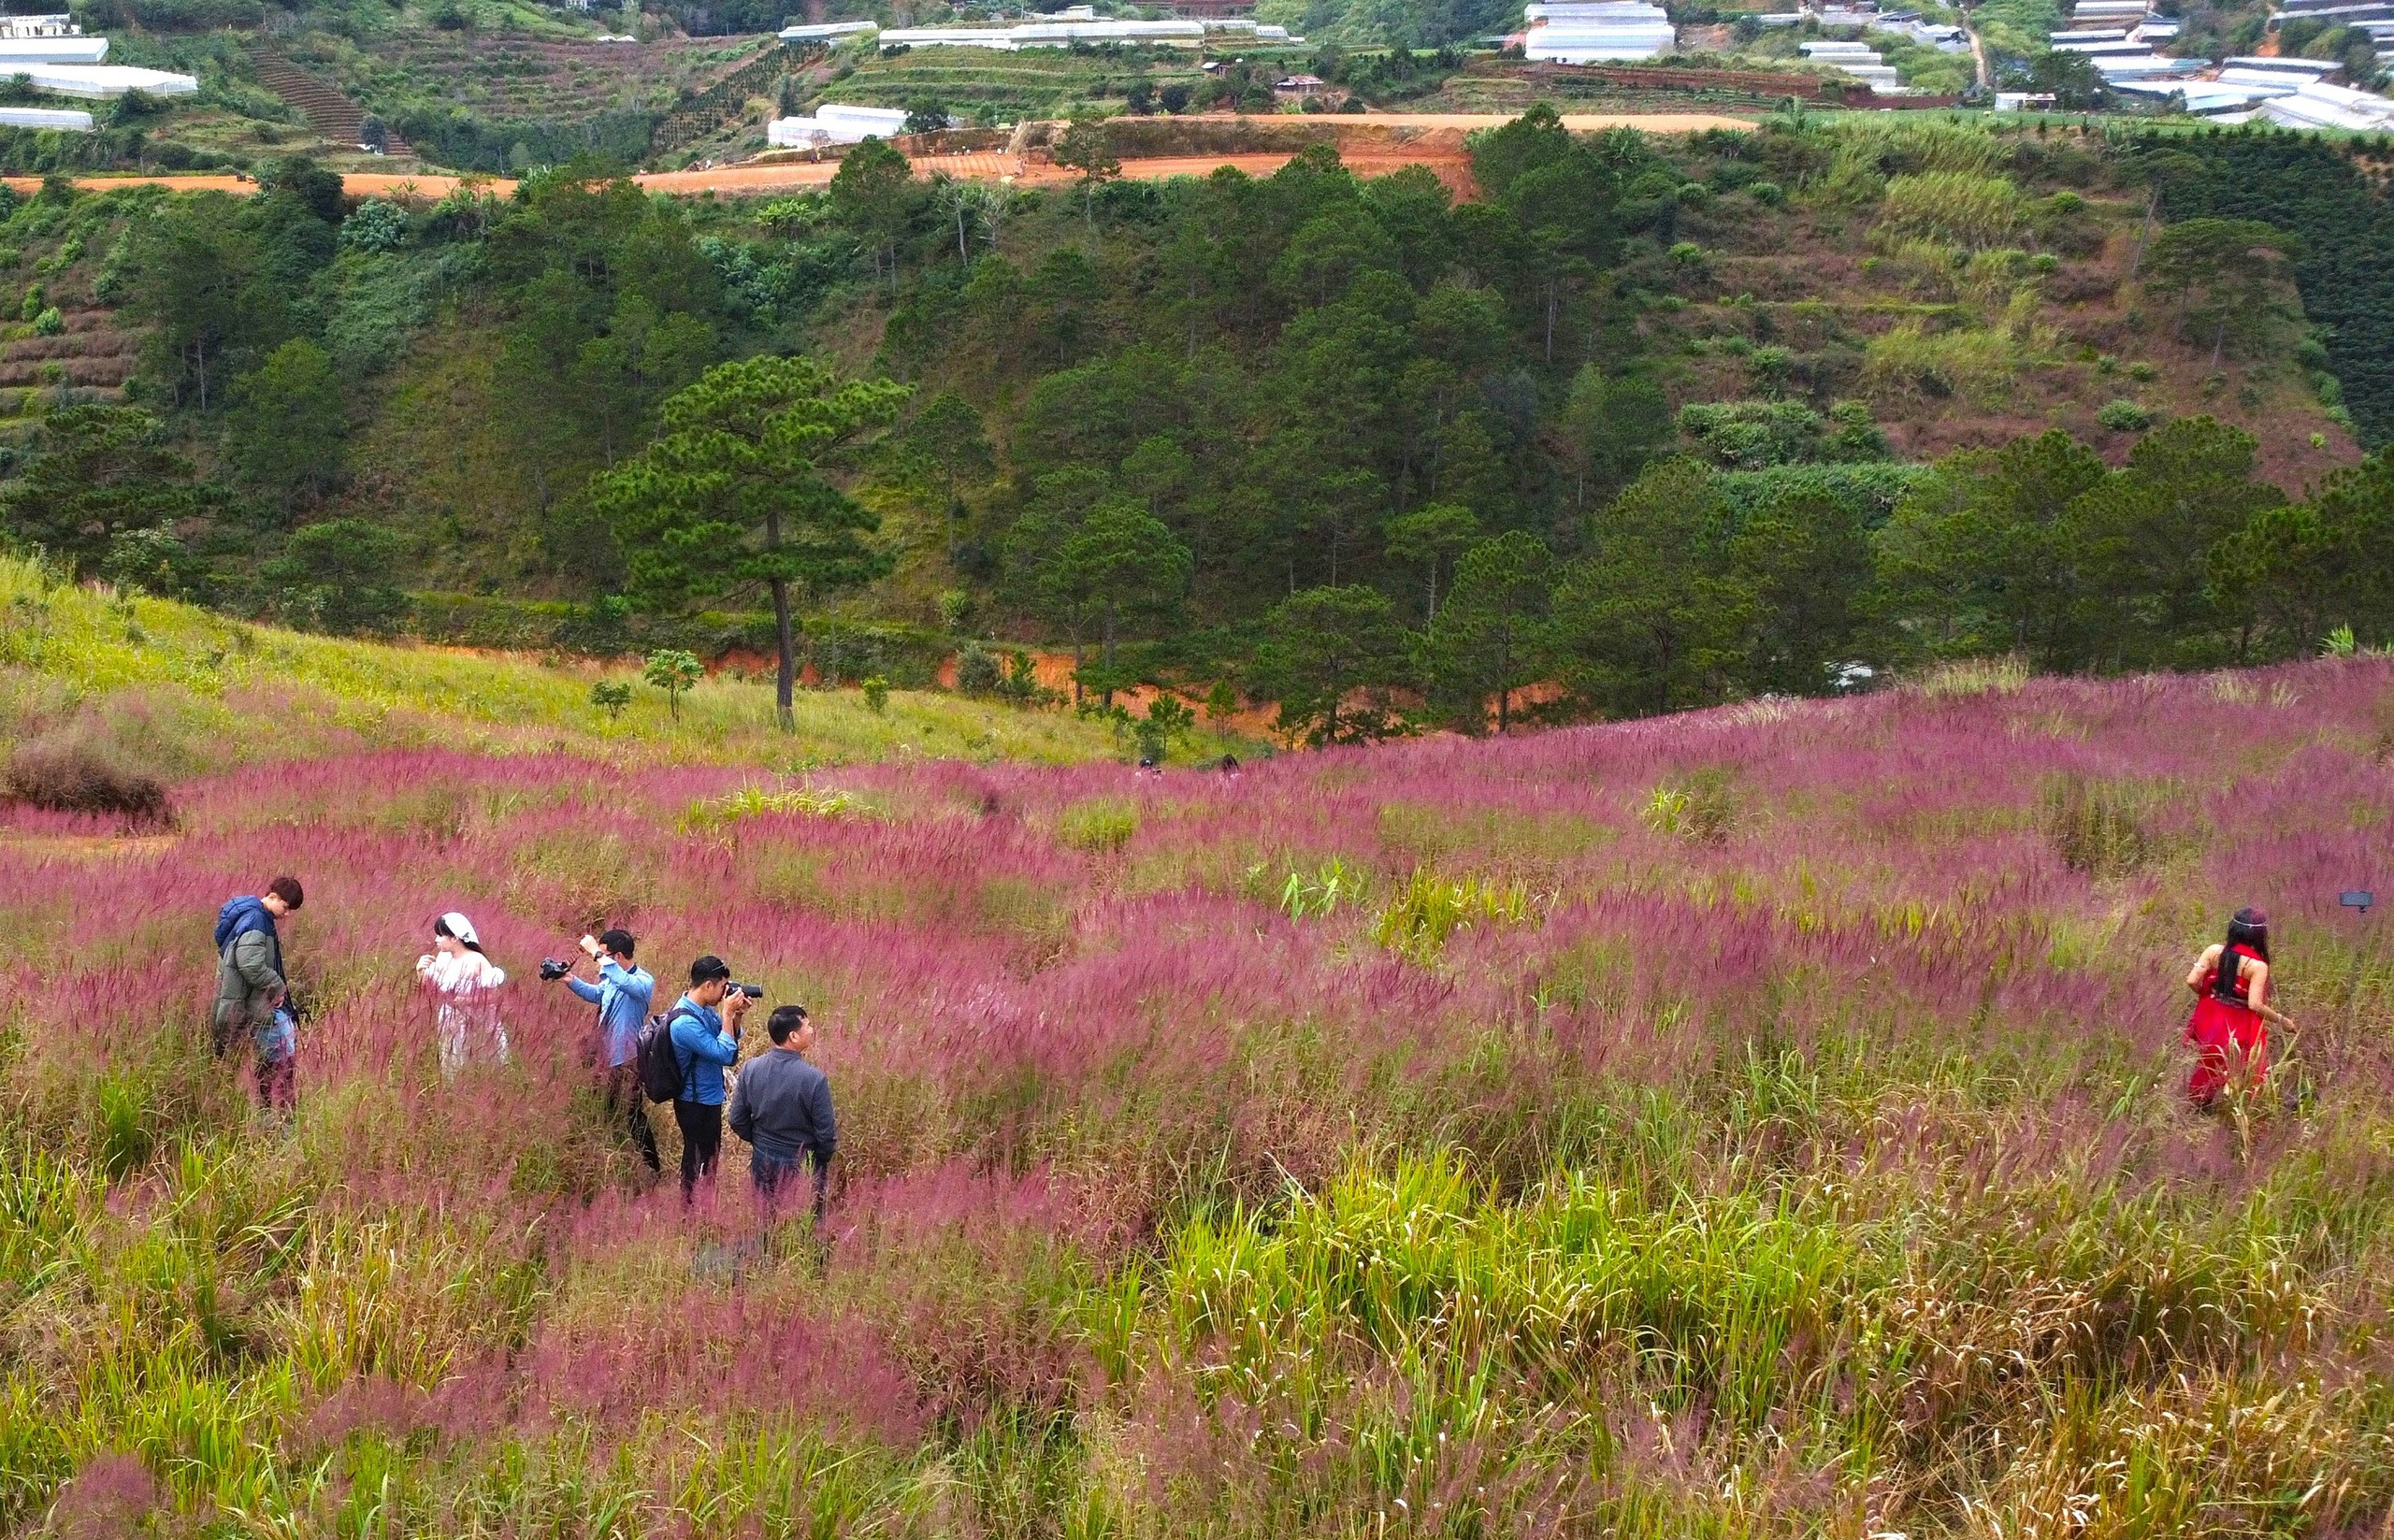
252 992
622 994
705 1042
782 1105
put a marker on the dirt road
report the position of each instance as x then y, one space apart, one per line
1444 156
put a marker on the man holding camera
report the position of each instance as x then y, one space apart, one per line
782 1105
622 994
705 1042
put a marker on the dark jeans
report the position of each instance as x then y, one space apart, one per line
278 1081
627 1105
770 1176
702 1141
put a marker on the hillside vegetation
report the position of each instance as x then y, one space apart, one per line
152 687
1672 421
1764 1122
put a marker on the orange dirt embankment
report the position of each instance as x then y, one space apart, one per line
1372 144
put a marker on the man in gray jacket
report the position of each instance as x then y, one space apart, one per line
782 1105
252 992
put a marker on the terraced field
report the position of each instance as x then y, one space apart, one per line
89 361
991 86
523 78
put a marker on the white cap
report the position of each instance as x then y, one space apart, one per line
461 928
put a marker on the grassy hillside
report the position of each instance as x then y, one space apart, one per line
167 688
1765 1122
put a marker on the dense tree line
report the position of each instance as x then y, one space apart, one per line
2180 558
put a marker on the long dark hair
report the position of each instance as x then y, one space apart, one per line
440 928
2250 929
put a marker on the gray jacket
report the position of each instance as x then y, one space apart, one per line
247 982
781 1105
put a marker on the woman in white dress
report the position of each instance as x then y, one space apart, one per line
465 983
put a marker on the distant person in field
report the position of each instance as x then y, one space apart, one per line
252 990
2228 1029
782 1105
464 981
704 1042
622 995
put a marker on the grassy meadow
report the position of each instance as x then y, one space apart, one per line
1763 1121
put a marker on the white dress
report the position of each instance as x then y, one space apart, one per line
466 983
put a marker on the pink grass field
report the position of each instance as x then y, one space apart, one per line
1961 918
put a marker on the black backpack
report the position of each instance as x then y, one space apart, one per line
660 1066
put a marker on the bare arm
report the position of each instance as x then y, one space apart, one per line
2204 967
2256 994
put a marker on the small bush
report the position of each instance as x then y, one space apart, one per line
978 672
1973 676
1100 827
375 225
124 1131
1697 807
2096 828
1431 908
2123 415
1322 891
710 813
78 771
1979 212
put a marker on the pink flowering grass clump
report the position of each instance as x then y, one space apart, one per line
1761 1120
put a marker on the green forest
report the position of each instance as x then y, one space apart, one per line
1298 437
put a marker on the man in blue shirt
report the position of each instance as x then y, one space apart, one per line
622 994
704 1044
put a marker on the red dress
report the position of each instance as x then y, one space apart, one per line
2227 1032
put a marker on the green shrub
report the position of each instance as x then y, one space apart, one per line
1416 924
978 671
2122 416
715 812
1320 891
123 1130
1975 211
1699 806
1980 364
1100 826
1751 435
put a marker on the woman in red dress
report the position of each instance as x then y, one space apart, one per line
2232 986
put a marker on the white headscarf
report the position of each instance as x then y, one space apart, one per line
463 929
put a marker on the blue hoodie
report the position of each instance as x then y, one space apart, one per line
241 915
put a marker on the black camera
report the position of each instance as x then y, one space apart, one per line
553 970
753 991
